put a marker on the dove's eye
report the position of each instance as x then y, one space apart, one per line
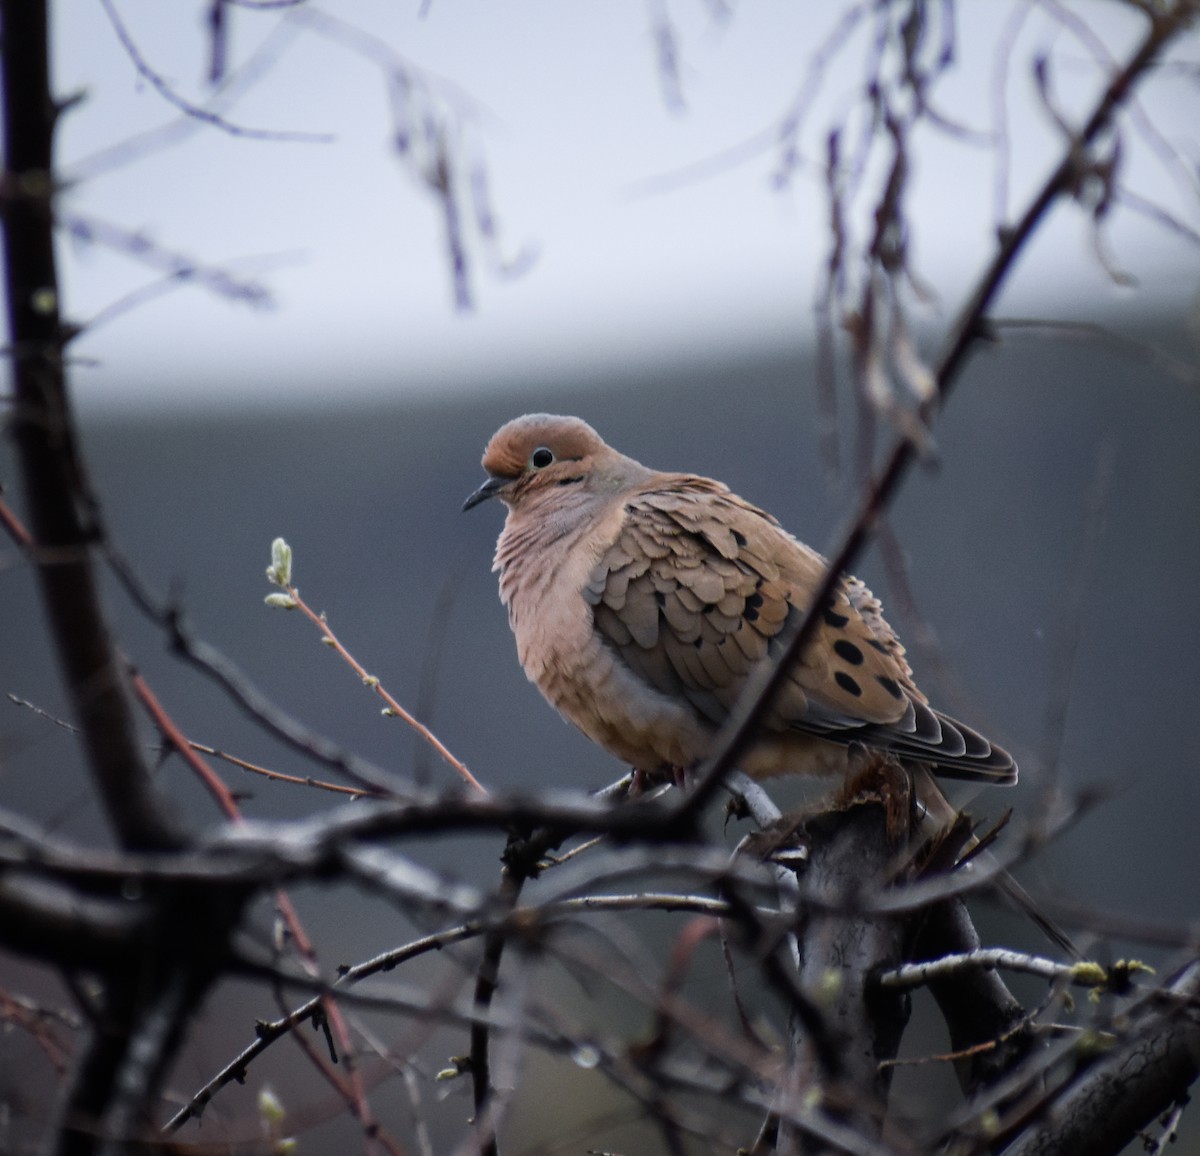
541 458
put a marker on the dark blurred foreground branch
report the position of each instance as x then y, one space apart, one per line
139 1011
62 525
849 936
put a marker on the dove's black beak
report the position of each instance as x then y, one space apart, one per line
489 489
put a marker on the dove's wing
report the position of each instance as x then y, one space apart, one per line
697 589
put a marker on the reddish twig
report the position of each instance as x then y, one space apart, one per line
15 527
351 1088
279 573
393 706
34 1020
281 777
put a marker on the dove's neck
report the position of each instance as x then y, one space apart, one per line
558 534
538 536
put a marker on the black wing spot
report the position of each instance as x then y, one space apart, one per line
836 620
660 598
880 646
739 538
846 650
890 685
848 684
750 614
754 601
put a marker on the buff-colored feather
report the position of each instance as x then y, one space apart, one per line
641 602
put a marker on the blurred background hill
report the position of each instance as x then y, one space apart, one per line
1005 546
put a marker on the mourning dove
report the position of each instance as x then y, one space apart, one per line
641 601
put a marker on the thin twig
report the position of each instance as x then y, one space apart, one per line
224 756
351 1088
281 777
1170 1129
519 918
240 690
18 1012
1081 974
172 264
195 111
1154 356
393 706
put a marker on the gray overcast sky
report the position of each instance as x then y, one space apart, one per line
564 102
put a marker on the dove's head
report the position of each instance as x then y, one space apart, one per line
542 453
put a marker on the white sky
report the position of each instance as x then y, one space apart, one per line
565 103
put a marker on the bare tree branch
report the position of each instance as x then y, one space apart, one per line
1120 1091
61 520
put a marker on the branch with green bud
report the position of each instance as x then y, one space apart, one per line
279 573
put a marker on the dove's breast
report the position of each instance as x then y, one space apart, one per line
544 570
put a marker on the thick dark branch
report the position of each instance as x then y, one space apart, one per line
1152 1067
54 922
983 1017
145 997
487 980
841 953
142 1015
62 523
